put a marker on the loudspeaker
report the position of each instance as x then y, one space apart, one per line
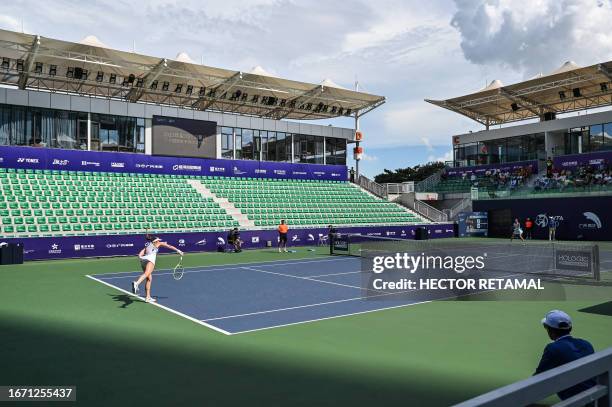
549 116
6 255
421 234
17 253
78 73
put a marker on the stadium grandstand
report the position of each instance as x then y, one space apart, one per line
96 141
546 137
130 185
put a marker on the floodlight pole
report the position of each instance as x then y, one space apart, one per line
357 141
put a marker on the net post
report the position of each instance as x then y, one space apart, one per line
596 270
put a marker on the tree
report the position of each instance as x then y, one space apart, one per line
416 173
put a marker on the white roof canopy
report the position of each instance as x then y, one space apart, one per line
90 68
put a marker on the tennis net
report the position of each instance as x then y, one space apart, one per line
555 259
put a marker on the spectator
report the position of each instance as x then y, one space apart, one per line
233 238
282 236
528 228
549 167
352 175
552 228
563 349
331 235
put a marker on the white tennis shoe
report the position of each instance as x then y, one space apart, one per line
134 287
150 300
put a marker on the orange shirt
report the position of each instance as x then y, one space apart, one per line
283 228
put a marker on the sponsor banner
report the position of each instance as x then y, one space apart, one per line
576 218
76 160
597 159
130 245
575 260
481 169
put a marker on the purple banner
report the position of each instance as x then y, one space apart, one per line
76 160
47 248
481 169
583 218
598 159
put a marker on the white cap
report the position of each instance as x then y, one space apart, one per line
557 319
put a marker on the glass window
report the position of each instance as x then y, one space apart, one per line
247 144
117 133
227 142
271 146
514 149
607 136
335 151
596 138
467 154
238 143
283 147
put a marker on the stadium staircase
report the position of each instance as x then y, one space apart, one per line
230 209
35 203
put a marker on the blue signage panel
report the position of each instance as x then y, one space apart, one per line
75 160
473 224
122 245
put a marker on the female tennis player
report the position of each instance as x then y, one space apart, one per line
517 230
147 257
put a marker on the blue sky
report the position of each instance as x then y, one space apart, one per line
406 50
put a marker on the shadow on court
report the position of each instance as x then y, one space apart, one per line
110 368
599 309
125 299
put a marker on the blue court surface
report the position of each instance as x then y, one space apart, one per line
249 297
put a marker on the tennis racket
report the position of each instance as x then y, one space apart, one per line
177 273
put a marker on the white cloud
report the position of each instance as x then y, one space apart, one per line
368 157
534 36
9 23
448 156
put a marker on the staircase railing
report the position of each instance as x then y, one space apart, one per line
372 186
429 182
429 211
460 206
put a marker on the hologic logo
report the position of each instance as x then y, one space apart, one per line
593 218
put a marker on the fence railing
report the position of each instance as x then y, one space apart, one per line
541 386
428 182
460 206
397 189
429 211
372 186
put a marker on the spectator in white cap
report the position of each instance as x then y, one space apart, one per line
563 349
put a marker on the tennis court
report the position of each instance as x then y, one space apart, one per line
254 296
248 297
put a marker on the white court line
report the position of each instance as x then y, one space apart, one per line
337 274
204 268
304 278
332 317
301 306
197 321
